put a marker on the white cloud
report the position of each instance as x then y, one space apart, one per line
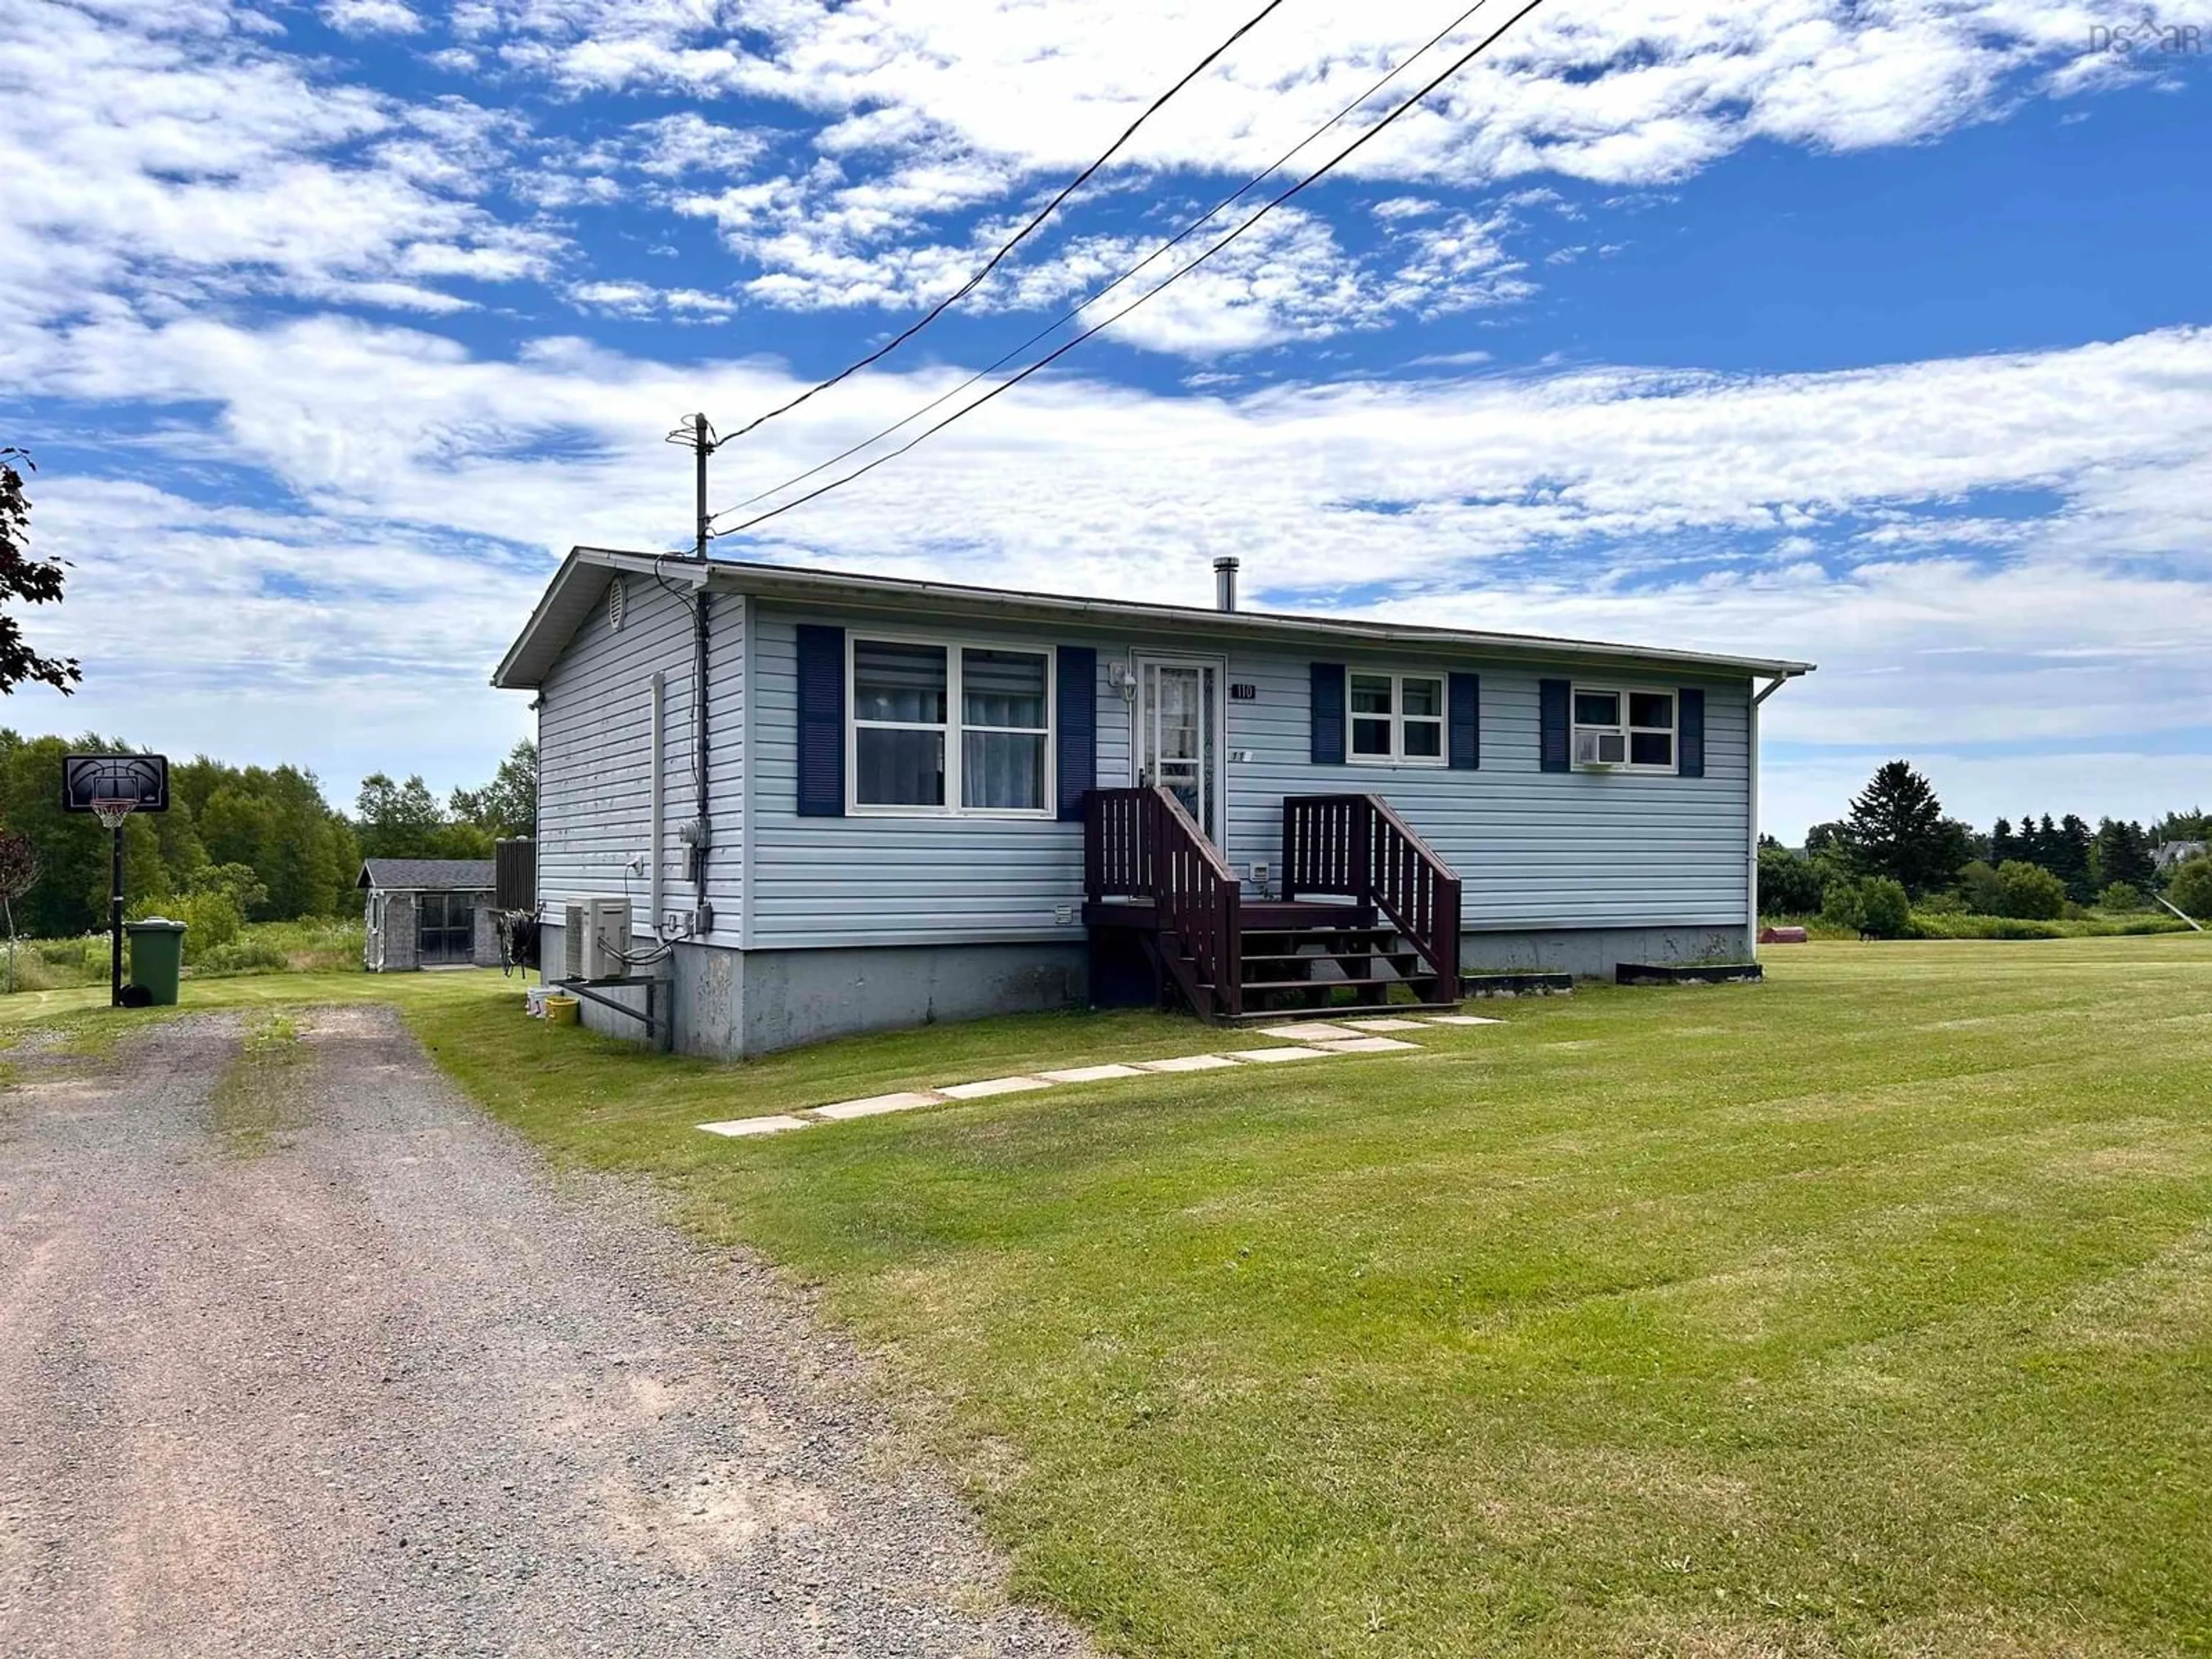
1800 515
167 158
371 17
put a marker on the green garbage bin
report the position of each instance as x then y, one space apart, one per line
157 956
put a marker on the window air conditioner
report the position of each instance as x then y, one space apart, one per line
595 934
1600 749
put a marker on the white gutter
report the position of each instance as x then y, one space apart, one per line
654 811
1751 876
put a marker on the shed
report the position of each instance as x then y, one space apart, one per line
428 913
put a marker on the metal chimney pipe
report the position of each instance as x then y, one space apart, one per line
1224 584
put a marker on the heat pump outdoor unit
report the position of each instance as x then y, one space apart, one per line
595 934
1600 749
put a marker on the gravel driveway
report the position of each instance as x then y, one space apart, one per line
346 1371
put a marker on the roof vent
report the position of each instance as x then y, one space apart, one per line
1224 584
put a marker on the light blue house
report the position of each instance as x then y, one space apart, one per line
826 803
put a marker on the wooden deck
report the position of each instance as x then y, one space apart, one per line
1378 923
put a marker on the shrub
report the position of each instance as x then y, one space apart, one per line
2191 890
2121 897
1942 904
1979 886
1875 907
1788 885
211 918
1885 912
2029 892
243 956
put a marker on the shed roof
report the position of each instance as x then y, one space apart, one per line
584 576
426 875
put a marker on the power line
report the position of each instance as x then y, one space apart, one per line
1019 236
1096 294
1330 166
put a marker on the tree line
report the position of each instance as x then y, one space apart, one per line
261 840
1896 849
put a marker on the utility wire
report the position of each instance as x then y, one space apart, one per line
1098 294
1330 166
1019 236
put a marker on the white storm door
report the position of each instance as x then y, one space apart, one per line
1179 737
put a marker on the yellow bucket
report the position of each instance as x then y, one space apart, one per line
562 1010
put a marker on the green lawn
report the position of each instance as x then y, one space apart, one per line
1866 1311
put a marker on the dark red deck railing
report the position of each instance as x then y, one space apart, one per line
1141 844
1356 846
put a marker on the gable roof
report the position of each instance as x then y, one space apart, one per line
426 875
584 575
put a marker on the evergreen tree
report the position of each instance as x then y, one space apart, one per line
2075 840
2002 847
2123 853
1896 828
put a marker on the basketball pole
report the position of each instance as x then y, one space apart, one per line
115 918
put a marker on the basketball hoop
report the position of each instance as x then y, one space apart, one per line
111 811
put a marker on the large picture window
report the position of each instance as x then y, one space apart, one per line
1623 730
951 728
1397 719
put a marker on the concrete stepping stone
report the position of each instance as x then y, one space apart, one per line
1367 1045
1187 1063
1089 1073
1312 1031
992 1085
876 1105
1385 1025
1463 1019
1271 1056
757 1126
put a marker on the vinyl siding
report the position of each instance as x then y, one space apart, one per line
1533 849
871 880
594 728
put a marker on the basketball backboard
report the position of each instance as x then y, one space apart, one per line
88 781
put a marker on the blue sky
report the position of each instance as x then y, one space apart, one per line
1876 334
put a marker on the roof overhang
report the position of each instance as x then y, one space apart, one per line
577 586
584 575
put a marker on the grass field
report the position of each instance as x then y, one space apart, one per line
1868 1312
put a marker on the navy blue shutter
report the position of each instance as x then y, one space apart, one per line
1690 732
1551 699
821 722
1329 714
1075 695
1464 723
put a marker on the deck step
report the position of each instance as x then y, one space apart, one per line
1371 954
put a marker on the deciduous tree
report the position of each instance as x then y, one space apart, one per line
34 581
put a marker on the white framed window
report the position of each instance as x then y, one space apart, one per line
1618 730
937 727
1396 720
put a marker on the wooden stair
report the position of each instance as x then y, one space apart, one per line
1158 893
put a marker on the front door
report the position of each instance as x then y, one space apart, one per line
1178 734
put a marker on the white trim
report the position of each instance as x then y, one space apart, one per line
1219 780
748 769
955 726
1398 718
1577 690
